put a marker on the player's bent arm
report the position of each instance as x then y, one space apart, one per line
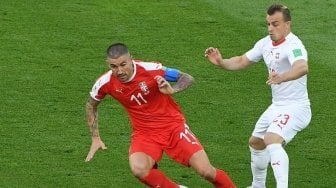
92 117
299 68
235 63
184 80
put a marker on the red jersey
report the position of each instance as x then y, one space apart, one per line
149 109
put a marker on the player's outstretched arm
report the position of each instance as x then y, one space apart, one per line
92 120
233 63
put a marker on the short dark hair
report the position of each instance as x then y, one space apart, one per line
280 8
116 50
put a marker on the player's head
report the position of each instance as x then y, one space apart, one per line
120 61
116 50
278 22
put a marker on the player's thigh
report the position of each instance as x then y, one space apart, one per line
290 120
183 145
144 144
263 124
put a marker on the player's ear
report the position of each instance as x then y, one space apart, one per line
288 24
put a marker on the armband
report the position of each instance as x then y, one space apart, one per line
171 75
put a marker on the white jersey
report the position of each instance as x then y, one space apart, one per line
280 58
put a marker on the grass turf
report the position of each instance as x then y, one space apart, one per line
52 51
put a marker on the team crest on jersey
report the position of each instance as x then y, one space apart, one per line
144 88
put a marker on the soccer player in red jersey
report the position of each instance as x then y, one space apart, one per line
144 90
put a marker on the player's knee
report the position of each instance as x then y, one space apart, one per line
139 170
257 143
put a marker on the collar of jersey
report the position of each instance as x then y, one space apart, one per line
281 41
278 42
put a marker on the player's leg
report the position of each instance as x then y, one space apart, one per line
288 122
200 163
279 158
188 151
259 155
142 168
259 162
143 157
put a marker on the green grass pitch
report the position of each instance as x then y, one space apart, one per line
53 50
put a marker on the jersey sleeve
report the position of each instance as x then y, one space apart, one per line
297 52
98 91
255 54
150 66
156 67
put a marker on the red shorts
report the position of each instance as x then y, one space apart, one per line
179 144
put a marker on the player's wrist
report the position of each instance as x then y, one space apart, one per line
175 90
95 138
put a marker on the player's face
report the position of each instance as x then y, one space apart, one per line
122 67
277 27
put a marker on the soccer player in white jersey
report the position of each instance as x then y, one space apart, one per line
286 59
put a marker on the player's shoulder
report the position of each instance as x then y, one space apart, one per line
294 40
292 37
104 78
148 65
263 42
293 43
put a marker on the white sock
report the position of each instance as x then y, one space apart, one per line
259 164
279 163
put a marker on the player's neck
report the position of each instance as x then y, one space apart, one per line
277 43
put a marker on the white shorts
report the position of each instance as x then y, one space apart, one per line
285 121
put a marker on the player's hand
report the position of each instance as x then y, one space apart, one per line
213 55
97 144
274 78
164 85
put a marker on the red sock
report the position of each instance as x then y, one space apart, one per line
222 180
155 178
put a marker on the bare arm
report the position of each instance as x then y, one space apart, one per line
233 63
299 68
92 117
92 120
184 80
